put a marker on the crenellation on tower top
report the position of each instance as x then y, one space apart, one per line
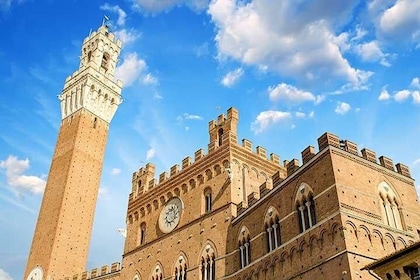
223 130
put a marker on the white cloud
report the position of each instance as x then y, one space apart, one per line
272 35
17 180
130 69
157 96
401 21
149 79
4 275
231 78
415 83
311 114
372 52
116 9
150 154
402 95
126 36
360 33
267 118
300 115
187 116
154 6
342 108
115 171
290 93
384 95
417 161
416 96
192 117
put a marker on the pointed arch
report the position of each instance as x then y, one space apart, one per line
157 272
305 207
180 267
207 261
272 228
244 244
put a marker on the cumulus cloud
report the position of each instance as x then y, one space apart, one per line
126 36
130 69
266 119
371 52
292 94
342 108
154 6
384 95
150 154
115 171
416 97
404 94
401 21
115 9
231 78
16 178
4 275
282 37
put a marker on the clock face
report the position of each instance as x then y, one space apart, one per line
170 215
36 274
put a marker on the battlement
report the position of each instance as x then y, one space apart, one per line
97 273
326 140
144 180
104 30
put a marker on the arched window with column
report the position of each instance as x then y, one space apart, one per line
272 229
157 273
390 206
244 247
305 207
208 263
180 268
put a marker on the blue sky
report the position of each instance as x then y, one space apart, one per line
293 69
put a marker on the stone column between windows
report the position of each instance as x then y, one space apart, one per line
387 210
269 238
246 253
275 235
308 207
241 248
211 269
302 215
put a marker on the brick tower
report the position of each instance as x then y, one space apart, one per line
89 100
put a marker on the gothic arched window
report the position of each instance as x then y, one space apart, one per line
208 263
244 247
389 206
305 208
272 229
181 269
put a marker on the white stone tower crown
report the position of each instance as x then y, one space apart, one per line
92 86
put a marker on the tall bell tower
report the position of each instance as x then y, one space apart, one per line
89 100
